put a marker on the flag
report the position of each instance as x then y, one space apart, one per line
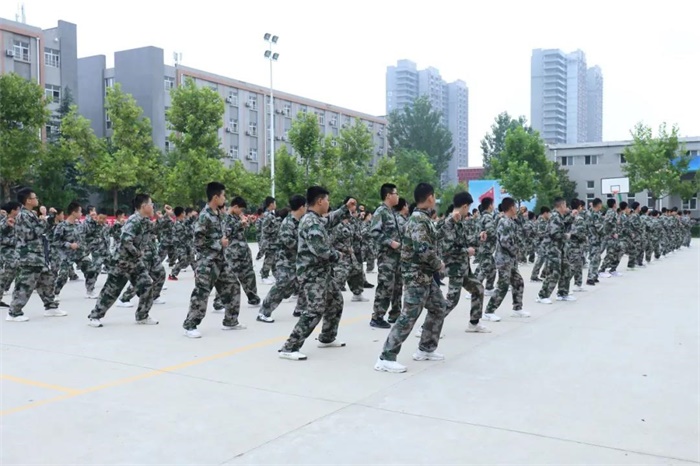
490 193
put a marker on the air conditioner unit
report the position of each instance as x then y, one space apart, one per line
332 122
380 133
380 152
277 138
10 52
344 125
279 112
247 104
284 138
229 130
231 153
247 133
249 157
229 99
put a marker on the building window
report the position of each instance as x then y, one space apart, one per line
169 83
252 101
287 109
232 98
108 122
233 125
590 196
650 202
52 57
631 197
252 129
167 146
590 184
253 154
213 87
590 160
53 93
321 118
567 161
692 204
623 159
21 50
304 109
109 82
233 151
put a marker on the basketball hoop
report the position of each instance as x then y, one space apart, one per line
615 194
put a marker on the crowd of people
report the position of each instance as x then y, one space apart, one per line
314 253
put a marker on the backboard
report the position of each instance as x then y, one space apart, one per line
615 185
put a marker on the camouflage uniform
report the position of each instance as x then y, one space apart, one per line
115 232
613 247
596 230
368 253
633 239
456 239
656 235
32 269
270 227
182 237
577 246
506 259
419 264
557 265
487 267
213 271
540 232
152 260
64 234
286 283
395 309
166 246
258 238
687 224
348 266
240 259
94 238
315 259
356 277
129 265
385 229
8 255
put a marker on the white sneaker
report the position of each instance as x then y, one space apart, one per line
194 333
544 300
125 304
491 317
566 298
292 355
21 318
147 321
333 344
264 318
522 314
478 328
359 298
489 292
389 366
631 269
604 275
428 356
165 288
578 288
419 332
238 326
95 323
467 296
159 301
217 311
267 281
91 295
55 313
615 274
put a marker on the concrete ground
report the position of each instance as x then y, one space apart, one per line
610 379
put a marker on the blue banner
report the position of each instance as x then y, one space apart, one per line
492 188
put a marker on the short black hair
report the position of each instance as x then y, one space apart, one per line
645 209
214 189
558 201
411 207
59 211
597 201
400 205
545 210
674 209
89 208
531 215
268 201
283 212
140 200
474 210
238 201
623 205
612 203
507 203
462 199
296 202
574 203
634 205
664 210
10 206
422 192
386 189
188 210
121 212
654 213
314 193
72 207
178 211
24 194
486 203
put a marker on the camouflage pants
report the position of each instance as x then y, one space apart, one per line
657 248
8 271
575 257
99 257
508 275
212 274
246 277
486 270
285 286
167 250
460 276
28 279
596 251
269 263
323 301
85 265
388 279
417 297
613 254
539 262
157 274
369 258
631 248
558 274
185 258
348 270
116 281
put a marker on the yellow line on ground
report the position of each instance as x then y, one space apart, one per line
165 370
34 383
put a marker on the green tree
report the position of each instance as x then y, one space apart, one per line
416 166
447 194
23 114
655 164
186 178
521 146
129 158
355 152
385 171
688 187
548 186
253 187
290 178
494 142
305 138
419 127
519 180
566 184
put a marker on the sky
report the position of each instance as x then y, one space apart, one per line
337 52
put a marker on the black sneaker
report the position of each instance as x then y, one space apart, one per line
296 313
379 323
392 320
345 288
590 282
3 304
596 280
535 279
367 285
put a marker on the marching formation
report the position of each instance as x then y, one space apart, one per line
311 254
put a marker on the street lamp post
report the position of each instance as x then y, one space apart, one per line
271 40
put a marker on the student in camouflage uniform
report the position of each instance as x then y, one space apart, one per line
71 250
213 271
8 250
484 255
270 227
315 259
647 249
386 234
53 220
286 283
613 248
183 234
129 265
577 243
348 268
368 254
258 234
115 231
419 264
540 232
687 223
557 264
635 239
656 233
596 230
164 230
401 210
100 246
32 269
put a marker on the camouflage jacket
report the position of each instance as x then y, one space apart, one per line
150 253
455 240
579 230
208 233
287 243
487 223
384 230
315 252
367 241
270 227
419 251
164 230
611 222
556 231
507 242
634 227
66 233
92 233
342 237
181 235
133 243
540 230
115 231
29 233
237 250
8 242
596 226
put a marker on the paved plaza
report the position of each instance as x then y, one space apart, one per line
610 379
